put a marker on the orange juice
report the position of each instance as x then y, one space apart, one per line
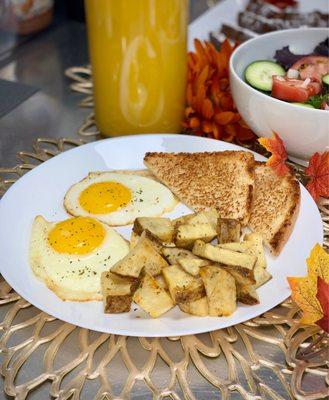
138 55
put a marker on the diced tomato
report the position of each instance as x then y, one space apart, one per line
293 89
313 67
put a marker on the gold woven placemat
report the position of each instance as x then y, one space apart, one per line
254 360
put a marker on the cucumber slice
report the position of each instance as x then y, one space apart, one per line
325 79
259 74
303 105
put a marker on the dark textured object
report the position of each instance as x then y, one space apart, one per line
235 33
262 17
260 24
268 10
216 38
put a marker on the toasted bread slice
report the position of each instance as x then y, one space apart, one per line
204 181
275 206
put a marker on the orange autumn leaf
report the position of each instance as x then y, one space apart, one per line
279 155
308 291
210 110
318 171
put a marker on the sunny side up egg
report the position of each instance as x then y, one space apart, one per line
70 256
117 199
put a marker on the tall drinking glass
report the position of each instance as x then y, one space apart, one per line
138 56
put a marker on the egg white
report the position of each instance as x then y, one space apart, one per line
149 198
69 276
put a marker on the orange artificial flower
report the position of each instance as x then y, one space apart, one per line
210 110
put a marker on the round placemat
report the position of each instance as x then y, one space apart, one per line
259 359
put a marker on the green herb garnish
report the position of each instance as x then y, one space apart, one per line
316 101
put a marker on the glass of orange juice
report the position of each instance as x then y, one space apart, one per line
138 56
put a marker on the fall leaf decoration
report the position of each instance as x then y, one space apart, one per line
311 293
279 155
318 172
210 110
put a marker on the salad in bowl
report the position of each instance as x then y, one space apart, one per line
301 79
272 76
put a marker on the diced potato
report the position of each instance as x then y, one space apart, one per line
253 245
220 289
229 230
186 234
161 281
180 220
152 298
256 248
117 292
192 265
182 286
154 240
224 256
172 254
247 294
242 276
202 217
261 276
134 238
162 228
143 256
241 247
212 216
198 307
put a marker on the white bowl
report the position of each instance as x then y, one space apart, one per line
303 130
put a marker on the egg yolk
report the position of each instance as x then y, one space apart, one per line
104 197
79 235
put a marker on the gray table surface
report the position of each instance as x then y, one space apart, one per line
52 111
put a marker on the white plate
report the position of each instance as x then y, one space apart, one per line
41 191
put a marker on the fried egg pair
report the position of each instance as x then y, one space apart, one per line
117 199
70 256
